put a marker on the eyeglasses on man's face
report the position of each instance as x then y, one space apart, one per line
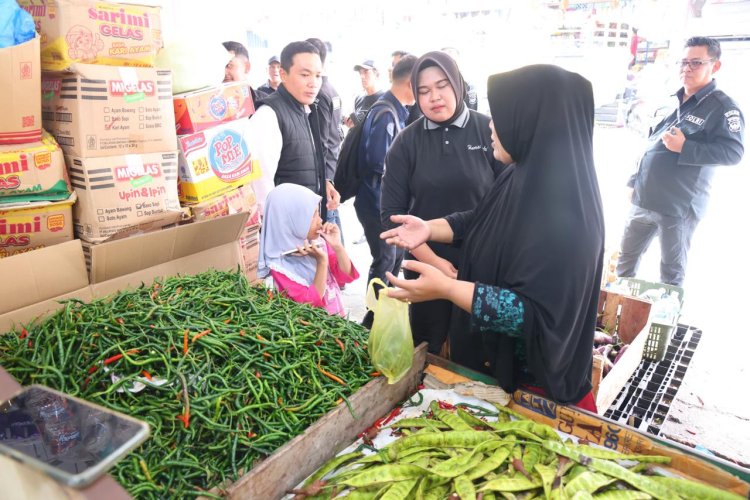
693 63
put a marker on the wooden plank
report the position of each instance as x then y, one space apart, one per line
603 432
611 384
302 456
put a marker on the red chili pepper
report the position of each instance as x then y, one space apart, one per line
393 415
445 406
147 375
185 343
260 337
257 374
341 345
356 344
242 333
121 321
24 333
251 434
270 294
31 343
319 342
375 374
185 420
303 322
93 369
201 334
266 355
114 358
227 321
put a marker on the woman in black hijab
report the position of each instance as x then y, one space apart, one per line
531 252
440 164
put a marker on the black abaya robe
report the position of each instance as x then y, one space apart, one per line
539 232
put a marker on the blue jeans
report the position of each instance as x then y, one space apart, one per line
333 216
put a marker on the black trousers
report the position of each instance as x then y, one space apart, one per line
429 320
385 257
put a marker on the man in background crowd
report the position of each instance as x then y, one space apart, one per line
470 98
369 76
238 68
274 76
284 134
380 129
331 134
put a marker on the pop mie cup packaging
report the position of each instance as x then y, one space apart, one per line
215 161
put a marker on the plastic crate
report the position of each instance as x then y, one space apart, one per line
637 287
657 341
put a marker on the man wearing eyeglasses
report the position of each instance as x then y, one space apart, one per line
670 190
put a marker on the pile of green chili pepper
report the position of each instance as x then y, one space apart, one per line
229 373
459 454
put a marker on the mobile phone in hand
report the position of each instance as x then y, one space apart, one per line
72 440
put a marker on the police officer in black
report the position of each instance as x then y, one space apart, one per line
672 184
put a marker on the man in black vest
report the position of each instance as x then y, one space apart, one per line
284 134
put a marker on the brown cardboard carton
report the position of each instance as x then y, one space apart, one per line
95 32
205 108
57 273
249 252
20 93
106 110
29 226
33 172
241 200
120 192
215 161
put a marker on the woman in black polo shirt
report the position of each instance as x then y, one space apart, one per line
440 164
531 252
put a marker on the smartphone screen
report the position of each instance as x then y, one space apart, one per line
73 440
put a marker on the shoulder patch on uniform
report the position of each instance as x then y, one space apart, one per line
733 120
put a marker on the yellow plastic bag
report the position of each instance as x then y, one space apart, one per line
390 344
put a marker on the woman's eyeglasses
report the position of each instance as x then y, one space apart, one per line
693 63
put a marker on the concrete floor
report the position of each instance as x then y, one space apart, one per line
710 409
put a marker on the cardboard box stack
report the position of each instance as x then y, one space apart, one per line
215 163
110 111
35 197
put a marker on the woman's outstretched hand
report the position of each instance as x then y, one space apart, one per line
432 284
412 232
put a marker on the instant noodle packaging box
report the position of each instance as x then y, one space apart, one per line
106 110
120 192
33 172
240 200
20 93
205 108
29 226
215 161
95 32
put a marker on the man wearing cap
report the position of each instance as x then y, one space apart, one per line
369 75
274 76
238 69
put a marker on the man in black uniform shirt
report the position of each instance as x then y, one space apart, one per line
672 184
